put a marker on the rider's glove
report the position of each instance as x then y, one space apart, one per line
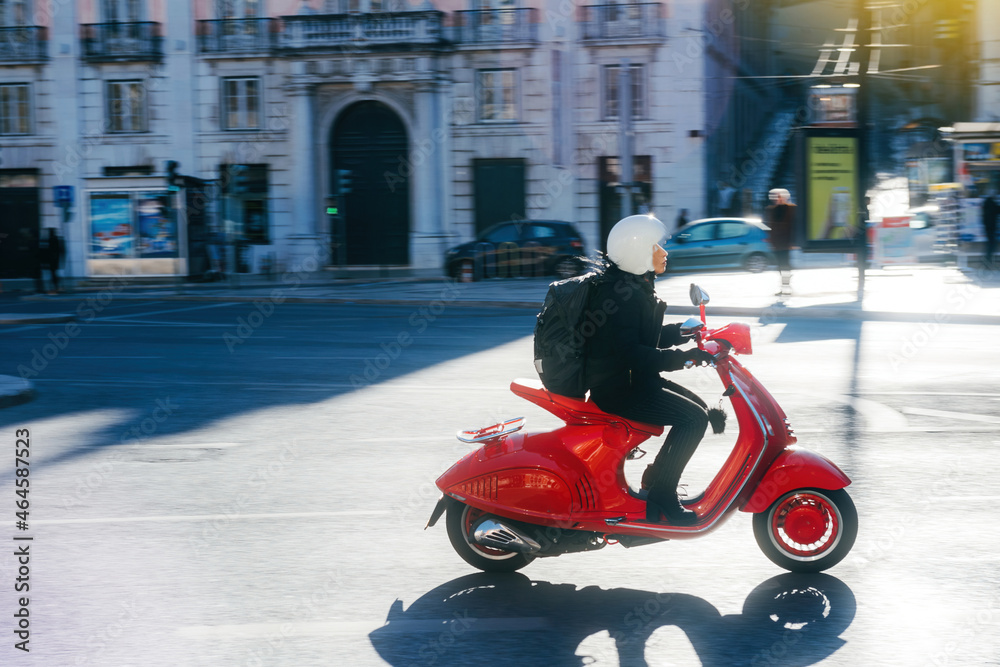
699 357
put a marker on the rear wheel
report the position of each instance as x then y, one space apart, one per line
460 520
807 530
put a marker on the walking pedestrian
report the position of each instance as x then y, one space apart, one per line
990 212
780 216
50 254
682 219
726 195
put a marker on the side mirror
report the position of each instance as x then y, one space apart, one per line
690 326
698 295
682 238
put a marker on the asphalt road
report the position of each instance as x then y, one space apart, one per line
214 487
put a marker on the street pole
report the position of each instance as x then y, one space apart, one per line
625 134
864 149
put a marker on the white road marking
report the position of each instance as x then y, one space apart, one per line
878 416
99 357
163 312
212 517
947 414
151 323
312 358
356 627
30 327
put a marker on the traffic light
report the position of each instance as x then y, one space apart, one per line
345 178
173 178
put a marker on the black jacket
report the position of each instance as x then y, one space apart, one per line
626 338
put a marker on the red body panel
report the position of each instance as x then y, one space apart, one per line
795 469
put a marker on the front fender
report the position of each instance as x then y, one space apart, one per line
795 469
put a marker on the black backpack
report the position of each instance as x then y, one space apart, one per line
560 347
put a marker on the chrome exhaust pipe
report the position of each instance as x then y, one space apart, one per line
490 532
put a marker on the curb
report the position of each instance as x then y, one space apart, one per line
35 318
15 391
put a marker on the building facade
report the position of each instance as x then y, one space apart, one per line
174 138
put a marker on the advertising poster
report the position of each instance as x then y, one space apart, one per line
157 227
832 174
112 235
894 241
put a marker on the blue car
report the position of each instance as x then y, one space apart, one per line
720 243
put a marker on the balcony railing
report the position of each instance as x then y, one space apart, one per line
624 21
23 44
110 42
236 36
328 31
492 26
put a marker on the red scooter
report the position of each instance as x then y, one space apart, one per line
520 496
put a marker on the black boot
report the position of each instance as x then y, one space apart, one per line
671 508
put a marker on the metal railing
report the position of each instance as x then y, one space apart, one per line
25 44
256 35
623 21
109 42
492 26
327 31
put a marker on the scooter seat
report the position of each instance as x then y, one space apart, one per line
574 410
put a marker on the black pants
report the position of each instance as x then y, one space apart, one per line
670 405
991 245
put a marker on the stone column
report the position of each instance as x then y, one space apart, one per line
427 149
303 237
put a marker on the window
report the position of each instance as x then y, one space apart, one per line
611 85
127 106
237 9
731 230
541 232
15 108
701 233
241 103
497 95
245 188
14 13
122 11
131 224
504 234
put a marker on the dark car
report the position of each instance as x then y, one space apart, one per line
523 248
716 243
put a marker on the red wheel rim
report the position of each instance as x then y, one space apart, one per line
469 518
805 525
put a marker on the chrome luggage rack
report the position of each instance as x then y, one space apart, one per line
493 432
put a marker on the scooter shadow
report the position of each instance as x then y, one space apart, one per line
484 619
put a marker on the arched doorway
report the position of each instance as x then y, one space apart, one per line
370 140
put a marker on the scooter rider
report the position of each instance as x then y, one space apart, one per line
628 351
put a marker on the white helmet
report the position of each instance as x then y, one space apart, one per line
632 240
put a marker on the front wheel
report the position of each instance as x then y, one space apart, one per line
807 530
461 519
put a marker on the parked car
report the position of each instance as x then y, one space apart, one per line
717 243
518 248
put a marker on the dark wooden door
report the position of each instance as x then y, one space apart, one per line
19 229
499 192
370 140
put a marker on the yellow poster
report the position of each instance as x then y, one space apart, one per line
832 164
